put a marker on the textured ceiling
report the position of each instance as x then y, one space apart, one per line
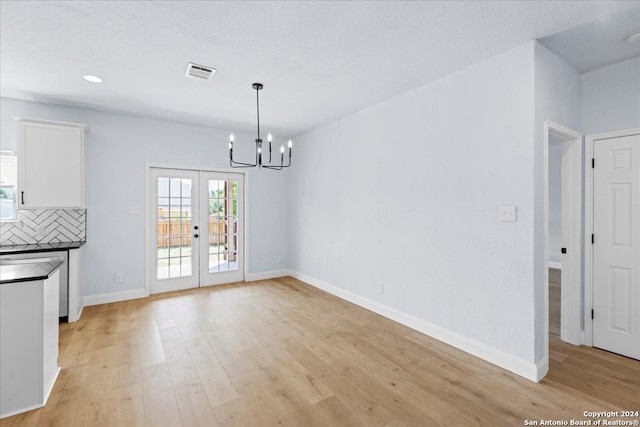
319 61
597 43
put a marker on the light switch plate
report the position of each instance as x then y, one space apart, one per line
507 213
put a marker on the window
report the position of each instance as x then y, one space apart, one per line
8 185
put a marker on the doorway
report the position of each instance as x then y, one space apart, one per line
612 266
196 228
563 233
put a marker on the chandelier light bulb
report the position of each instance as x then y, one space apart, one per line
282 148
231 138
230 145
290 144
269 137
259 149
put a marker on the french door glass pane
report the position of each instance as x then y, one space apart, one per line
174 228
223 220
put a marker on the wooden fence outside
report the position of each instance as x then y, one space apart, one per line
173 232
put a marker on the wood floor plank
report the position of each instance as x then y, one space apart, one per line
281 353
193 404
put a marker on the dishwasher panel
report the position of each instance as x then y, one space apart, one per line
64 273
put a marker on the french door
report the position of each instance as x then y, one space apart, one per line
197 228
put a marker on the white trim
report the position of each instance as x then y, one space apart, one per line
50 122
38 406
50 388
588 226
114 297
80 311
542 368
245 218
142 293
571 285
21 411
264 275
588 252
147 225
554 264
526 369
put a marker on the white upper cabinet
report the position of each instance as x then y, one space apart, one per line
50 164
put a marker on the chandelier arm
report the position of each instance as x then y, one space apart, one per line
258 160
235 164
278 168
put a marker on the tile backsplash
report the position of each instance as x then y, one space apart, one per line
45 226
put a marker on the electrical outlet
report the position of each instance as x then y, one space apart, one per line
119 277
380 287
279 260
507 213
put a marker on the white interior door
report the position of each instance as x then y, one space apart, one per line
616 265
222 237
174 212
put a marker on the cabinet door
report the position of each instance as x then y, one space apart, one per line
50 166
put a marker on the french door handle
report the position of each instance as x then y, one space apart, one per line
195 235
195 227
22 197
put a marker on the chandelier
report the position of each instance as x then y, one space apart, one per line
258 162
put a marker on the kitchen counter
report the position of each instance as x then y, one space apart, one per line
12 271
39 247
29 329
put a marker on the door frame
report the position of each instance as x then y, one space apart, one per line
147 215
221 276
571 293
588 226
181 282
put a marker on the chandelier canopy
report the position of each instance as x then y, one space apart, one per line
258 162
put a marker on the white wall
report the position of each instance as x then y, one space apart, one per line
406 192
611 97
555 197
118 147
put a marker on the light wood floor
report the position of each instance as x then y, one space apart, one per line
279 352
554 302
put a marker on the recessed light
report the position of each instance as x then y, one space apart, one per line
634 37
92 79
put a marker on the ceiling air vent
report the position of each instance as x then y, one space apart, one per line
201 72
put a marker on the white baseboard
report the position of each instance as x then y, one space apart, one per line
20 411
41 405
79 313
50 388
554 264
114 297
266 275
142 293
542 367
74 317
526 369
